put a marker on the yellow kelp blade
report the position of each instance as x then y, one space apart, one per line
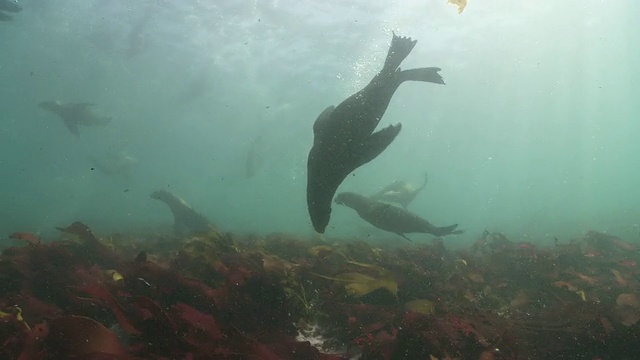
461 4
361 284
113 275
424 307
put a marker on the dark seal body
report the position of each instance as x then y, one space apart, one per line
391 218
343 135
186 219
8 6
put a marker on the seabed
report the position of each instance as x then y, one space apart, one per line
223 296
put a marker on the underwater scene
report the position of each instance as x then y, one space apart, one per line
280 179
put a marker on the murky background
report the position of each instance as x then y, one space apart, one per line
534 134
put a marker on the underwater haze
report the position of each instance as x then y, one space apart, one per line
535 133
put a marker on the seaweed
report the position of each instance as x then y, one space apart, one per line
214 296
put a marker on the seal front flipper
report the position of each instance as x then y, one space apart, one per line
72 126
404 236
375 144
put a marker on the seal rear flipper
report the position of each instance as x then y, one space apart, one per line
400 47
429 74
375 144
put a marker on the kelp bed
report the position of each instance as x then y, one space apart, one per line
217 296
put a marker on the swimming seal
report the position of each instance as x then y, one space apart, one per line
8 6
186 219
343 135
391 218
400 192
75 114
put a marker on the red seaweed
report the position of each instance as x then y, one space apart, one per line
221 297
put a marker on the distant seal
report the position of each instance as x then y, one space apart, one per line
8 6
391 218
400 192
343 135
75 114
186 219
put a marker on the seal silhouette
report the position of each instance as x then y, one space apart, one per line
75 114
400 192
392 218
344 137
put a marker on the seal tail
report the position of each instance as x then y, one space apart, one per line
400 47
429 74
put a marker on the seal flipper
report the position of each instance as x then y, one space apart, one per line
429 74
400 47
375 144
72 126
445 230
404 236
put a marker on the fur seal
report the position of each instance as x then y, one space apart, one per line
185 218
391 218
75 114
8 6
343 135
400 192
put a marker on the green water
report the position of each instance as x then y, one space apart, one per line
534 134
